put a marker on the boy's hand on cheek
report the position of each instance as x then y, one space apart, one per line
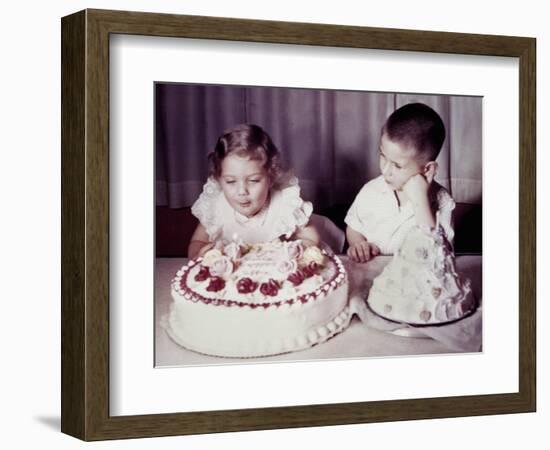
363 251
416 188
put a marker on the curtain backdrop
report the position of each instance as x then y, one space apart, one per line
328 138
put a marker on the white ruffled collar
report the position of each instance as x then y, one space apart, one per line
285 213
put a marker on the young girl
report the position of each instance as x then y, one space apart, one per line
246 197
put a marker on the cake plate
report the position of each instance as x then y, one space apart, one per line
412 329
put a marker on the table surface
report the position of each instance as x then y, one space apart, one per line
357 341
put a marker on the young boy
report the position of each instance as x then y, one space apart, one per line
405 194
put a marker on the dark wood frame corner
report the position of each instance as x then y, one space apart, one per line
85 224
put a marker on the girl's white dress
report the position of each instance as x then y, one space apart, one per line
283 214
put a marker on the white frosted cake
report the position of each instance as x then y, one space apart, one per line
264 299
420 285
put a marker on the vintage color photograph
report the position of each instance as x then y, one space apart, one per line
301 224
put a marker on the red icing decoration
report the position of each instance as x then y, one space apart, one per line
296 278
216 284
270 288
246 286
311 269
202 274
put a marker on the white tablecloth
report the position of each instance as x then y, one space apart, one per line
368 337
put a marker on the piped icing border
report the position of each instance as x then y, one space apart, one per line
179 285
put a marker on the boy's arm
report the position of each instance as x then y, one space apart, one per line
423 212
354 237
200 242
360 249
416 189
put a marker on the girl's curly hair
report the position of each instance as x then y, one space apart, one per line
246 140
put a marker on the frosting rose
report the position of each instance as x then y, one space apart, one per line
216 284
210 256
221 267
311 269
313 254
203 274
287 266
271 288
246 286
295 250
296 278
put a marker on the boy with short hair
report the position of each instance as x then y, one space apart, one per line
405 194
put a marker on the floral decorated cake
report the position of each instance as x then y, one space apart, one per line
420 285
257 300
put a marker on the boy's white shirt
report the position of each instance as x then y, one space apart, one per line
376 214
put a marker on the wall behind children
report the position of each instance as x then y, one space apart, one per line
329 139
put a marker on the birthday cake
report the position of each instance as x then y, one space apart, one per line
258 300
420 285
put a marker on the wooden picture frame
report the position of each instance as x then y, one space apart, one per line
85 224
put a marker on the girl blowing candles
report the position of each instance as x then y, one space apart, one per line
247 196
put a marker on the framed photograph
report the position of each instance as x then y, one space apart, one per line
217 182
